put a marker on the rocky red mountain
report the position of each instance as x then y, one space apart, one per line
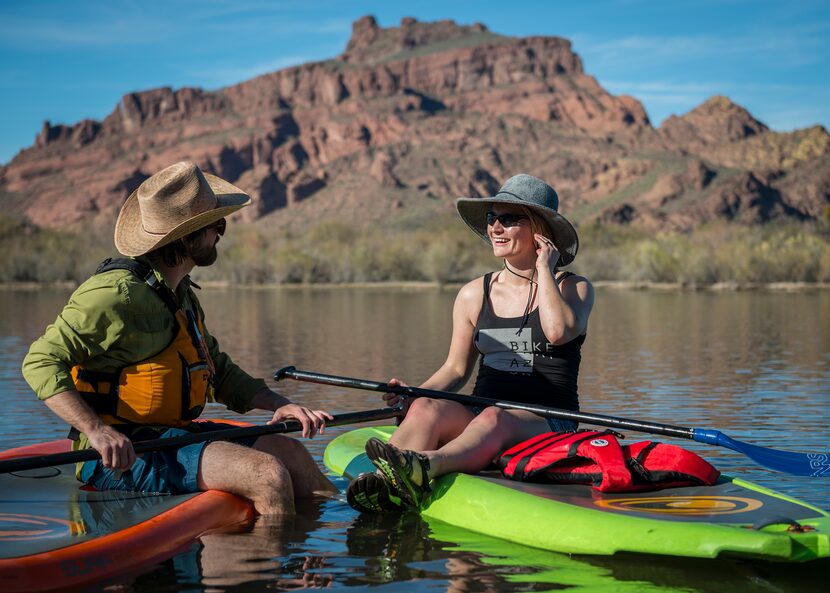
408 118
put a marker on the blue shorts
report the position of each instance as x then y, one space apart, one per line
555 424
168 471
560 425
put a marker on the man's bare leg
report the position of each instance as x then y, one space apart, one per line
255 475
306 477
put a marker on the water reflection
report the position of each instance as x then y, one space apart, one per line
395 547
265 554
328 546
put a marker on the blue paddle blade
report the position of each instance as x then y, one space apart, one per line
816 465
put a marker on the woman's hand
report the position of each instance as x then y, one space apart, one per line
547 255
394 399
312 421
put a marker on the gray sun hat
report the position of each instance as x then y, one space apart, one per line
532 192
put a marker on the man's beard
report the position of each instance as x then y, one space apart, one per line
203 255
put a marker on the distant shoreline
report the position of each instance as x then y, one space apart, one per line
611 285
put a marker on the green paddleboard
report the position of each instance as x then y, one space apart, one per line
731 518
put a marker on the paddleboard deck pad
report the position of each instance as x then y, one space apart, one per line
56 533
731 518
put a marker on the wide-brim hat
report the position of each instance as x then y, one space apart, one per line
171 204
535 194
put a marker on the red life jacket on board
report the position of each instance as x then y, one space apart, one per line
597 458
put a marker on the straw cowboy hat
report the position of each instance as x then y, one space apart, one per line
171 204
532 192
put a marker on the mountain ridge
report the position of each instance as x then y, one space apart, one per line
409 117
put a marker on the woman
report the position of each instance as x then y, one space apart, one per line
527 321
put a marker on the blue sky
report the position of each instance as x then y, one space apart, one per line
65 61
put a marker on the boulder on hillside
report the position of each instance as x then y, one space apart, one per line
773 152
745 199
807 189
371 44
716 121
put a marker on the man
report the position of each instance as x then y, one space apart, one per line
129 357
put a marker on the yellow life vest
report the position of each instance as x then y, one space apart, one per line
167 389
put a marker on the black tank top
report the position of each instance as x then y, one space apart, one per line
524 367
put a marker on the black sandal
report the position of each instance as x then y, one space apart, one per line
397 467
369 492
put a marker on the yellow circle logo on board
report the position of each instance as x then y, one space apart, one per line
16 527
689 506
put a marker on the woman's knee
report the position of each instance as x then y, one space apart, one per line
493 418
426 410
422 406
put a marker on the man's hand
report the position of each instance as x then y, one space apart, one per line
312 421
115 448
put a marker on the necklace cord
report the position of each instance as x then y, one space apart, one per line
526 315
532 275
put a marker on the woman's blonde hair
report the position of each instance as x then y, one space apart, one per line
537 224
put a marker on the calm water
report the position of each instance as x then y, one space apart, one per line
754 365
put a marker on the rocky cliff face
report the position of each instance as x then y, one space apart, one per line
408 118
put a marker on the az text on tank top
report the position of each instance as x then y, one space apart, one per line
519 364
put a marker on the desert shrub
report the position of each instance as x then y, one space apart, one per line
715 253
653 261
42 255
291 266
763 255
445 252
451 255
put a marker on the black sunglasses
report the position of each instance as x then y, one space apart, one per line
506 220
220 226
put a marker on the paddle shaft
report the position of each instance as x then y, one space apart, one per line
230 434
472 400
790 462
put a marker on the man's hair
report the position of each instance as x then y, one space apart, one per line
172 254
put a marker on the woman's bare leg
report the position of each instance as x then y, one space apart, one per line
490 433
431 423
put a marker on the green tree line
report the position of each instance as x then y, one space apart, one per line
334 252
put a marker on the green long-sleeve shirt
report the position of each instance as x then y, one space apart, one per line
115 319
